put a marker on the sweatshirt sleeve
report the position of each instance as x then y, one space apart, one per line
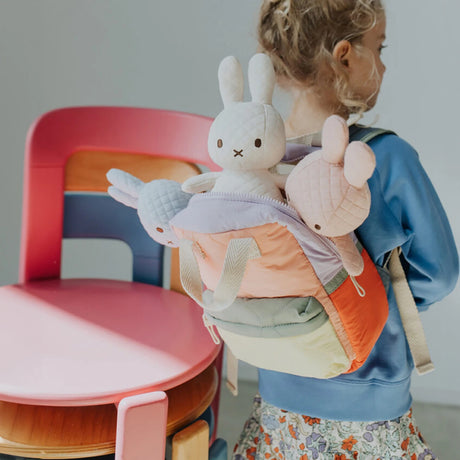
428 246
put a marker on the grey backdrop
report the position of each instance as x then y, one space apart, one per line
151 53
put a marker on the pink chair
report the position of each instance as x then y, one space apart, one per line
90 345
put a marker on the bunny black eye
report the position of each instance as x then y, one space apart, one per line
220 143
258 142
159 230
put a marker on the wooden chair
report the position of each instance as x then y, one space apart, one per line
99 356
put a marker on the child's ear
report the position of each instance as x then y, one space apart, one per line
342 52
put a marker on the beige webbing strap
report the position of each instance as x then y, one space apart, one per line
239 252
232 372
410 316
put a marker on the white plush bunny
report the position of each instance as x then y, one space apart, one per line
157 202
247 138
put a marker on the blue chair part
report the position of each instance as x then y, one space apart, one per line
97 215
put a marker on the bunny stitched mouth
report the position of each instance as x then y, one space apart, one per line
237 152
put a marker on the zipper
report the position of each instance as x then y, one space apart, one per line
280 206
250 198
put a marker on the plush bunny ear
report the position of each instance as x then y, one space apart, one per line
122 197
125 188
262 78
231 80
334 139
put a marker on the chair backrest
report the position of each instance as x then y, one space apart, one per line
69 151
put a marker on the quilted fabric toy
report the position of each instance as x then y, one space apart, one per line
157 202
329 190
247 138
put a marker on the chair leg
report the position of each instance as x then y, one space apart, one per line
218 450
141 427
191 443
216 402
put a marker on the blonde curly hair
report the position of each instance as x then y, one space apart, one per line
300 36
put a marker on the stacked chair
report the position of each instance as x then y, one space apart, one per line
99 367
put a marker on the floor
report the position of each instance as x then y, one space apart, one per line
440 425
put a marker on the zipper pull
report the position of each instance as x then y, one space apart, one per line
359 289
210 328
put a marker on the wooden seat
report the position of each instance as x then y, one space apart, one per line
69 432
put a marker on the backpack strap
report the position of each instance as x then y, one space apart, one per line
238 254
410 316
408 311
366 134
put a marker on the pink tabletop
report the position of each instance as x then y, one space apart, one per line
83 342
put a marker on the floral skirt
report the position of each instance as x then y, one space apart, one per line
274 434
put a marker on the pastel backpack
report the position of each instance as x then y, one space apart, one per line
288 286
272 259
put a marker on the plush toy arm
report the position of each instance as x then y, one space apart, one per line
280 179
351 257
202 183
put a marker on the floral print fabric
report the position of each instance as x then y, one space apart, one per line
274 434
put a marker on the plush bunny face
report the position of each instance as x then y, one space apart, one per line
324 198
329 187
157 202
247 136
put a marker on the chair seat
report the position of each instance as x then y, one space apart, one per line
96 341
70 432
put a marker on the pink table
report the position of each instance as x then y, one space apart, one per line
80 342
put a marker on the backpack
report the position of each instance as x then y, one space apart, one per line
276 291
288 286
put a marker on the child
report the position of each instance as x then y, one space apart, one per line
327 54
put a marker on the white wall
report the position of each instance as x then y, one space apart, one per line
56 53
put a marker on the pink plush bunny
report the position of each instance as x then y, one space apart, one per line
329 190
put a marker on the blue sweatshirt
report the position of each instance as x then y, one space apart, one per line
406 212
